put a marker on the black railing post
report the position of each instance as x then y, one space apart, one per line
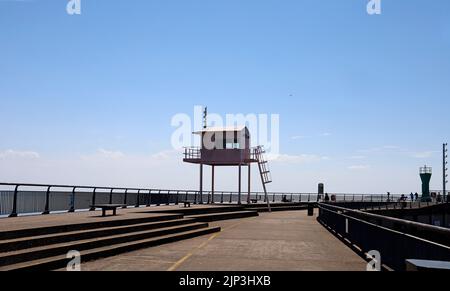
138 203
47 201
125 199
94 194
273 198
148 199
72 200
186 196
231 197
168 198
111 196
221 198
159 198
195 198
177 199
14 209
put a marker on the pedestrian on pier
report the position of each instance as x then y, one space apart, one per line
416 196
327 198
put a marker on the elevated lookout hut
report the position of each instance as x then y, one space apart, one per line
228 146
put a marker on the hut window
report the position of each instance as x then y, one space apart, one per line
232 145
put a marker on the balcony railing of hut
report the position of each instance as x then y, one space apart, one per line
192 153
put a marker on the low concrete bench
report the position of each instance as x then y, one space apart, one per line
187 203
106 207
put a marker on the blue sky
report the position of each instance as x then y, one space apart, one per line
363 100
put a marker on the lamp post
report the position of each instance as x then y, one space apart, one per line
444 171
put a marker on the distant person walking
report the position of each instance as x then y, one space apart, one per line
327 198
416 196
319 197
412 196
333 198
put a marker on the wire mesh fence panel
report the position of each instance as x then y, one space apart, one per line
6 201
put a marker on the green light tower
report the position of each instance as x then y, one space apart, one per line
425 175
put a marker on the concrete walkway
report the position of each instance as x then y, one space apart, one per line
279 241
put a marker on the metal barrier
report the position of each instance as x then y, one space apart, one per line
79 197
395 247
71 198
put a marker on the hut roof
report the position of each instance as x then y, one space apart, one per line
222 129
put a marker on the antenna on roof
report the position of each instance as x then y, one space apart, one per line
205 117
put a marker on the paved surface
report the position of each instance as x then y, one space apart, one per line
280 241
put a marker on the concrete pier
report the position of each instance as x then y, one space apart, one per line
279 241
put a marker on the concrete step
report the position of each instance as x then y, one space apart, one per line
264 205
38 231
41 252
51 239
223 216
278 208
60 261
204 210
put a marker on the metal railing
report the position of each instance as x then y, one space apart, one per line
195 153
23 198
426 170
192 153
396 244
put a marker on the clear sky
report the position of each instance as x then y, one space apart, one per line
88 99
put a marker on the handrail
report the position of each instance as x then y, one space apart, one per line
192 153
355 196
170 194
394 246
401 224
